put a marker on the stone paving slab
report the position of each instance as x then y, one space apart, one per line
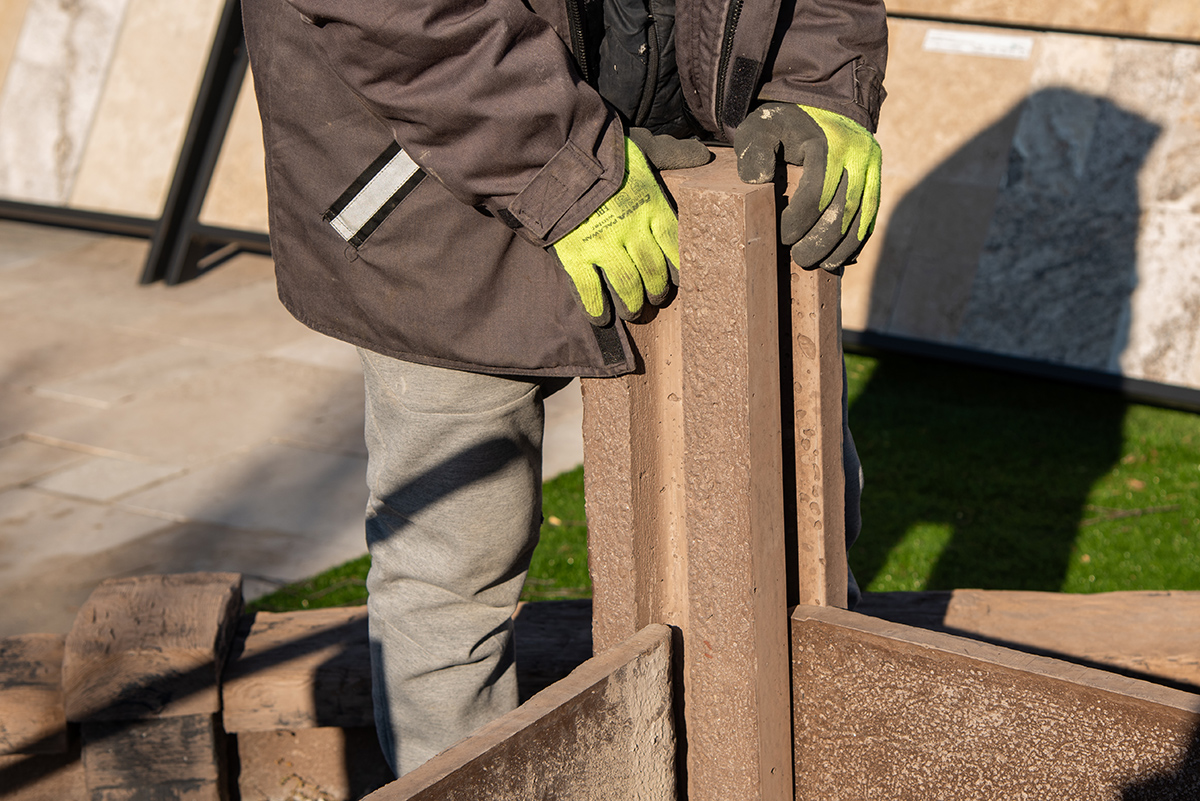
155 429
22 461
103 479
312 495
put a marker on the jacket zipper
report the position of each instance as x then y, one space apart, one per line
578 42
735 12
647 100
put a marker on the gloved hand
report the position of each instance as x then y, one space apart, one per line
668 153
632 240
832 211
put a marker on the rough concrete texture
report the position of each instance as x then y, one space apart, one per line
310 765
685 500
604 732
1147 635
1040 201
735 682
816 438
883 711
633 444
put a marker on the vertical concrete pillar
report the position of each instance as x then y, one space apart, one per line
817 376
684 465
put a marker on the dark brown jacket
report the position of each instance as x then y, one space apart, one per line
436 253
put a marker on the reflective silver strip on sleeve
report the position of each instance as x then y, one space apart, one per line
373 195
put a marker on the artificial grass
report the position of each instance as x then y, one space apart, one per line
982 479
973 479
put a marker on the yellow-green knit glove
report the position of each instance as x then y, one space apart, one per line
832 211
629 245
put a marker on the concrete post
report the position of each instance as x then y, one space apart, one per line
686 482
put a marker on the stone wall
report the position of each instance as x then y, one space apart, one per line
1041 199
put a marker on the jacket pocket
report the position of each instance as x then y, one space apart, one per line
373 195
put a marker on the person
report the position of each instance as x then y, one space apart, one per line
461 189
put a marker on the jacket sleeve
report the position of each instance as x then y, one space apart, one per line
485 97
830 54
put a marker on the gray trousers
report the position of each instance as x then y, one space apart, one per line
455 475
455 508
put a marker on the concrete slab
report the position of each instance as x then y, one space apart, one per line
146 105
36 525
22 461
237 430
51 93
21 410
212 414
102 479
317 497
120 382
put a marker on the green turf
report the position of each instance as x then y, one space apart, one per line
973 479
981 479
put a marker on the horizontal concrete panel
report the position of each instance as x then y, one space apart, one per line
887 711
604 732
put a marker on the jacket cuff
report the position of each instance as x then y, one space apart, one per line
572 185
855 91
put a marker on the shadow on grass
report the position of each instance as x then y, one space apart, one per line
984 475
1044 267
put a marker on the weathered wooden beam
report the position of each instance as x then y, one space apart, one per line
685 481
43 777
324 764
151 646
298 670
141 675
177 758
33 718
604 732
1149 635
888 711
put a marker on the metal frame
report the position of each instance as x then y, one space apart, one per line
181 246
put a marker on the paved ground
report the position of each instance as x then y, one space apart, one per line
154 429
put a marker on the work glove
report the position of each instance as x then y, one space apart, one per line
627 251
832 211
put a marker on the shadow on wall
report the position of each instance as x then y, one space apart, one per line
1038 255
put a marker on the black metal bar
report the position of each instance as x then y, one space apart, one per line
1134 389
175 249
77 218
